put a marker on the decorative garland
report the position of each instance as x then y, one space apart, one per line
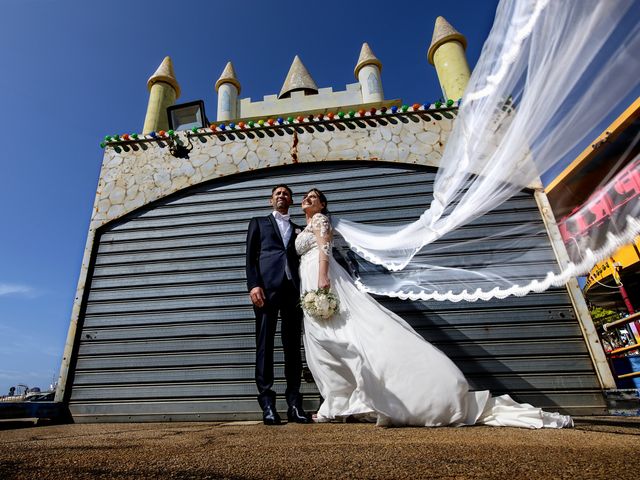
269 122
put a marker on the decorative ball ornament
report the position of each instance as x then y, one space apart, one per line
383 109
134 136
373 110
223 127
449 103
125 137
394 109
362 113
289 119
438 104
300 119
261 123
352 113
280 120
102 144
426 106
251 123
116 138
193 130
271 121
320 117
331 115
241 125
416 107
404 108
341 114
152 134
232 126
107 138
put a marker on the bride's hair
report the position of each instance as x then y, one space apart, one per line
322 198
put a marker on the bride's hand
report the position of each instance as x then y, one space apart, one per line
323 281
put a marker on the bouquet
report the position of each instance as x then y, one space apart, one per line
320 303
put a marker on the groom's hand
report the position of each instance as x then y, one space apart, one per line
257 296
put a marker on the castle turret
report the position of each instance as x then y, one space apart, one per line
298 79
447 54
228 88
163 92
367 72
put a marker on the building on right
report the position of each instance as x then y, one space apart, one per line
613 151
602 180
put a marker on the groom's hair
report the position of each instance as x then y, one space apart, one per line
282 185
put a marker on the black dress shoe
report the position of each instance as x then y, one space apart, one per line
297 415
270 416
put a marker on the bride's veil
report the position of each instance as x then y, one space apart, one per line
548 76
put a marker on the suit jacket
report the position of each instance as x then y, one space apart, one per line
267 255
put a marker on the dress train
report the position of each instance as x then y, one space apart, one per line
368 362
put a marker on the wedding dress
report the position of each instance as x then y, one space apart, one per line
368 362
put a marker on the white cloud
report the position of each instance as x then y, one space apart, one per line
15 289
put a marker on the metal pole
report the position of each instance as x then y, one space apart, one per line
616 277
625 297
591 338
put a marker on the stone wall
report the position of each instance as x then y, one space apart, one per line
138 173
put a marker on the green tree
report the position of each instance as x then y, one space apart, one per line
601 316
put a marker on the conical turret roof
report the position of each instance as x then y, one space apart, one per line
367 57
164 73
228 76
298 78
443 32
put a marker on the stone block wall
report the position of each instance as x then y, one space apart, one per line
137 174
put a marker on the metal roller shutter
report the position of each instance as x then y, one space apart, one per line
167 330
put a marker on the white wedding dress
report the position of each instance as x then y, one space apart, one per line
367 362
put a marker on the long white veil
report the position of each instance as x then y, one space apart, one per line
549 73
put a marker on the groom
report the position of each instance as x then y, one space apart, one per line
274 286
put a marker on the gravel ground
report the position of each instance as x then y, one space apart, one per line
599 447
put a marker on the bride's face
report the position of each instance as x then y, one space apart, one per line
311 203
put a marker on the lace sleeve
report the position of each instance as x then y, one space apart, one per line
321 227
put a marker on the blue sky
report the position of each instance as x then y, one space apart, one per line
74 71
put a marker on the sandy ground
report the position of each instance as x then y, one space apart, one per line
599 447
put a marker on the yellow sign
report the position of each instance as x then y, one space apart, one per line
625 257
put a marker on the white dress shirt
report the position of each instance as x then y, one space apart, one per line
284 225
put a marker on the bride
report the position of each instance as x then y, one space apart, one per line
370 364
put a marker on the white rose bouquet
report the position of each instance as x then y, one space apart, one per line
320 303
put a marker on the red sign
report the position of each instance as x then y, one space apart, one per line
616 200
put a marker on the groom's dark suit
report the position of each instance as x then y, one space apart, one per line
267 261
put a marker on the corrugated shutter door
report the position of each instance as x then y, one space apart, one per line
167 330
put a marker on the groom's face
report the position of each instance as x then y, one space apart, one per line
281 199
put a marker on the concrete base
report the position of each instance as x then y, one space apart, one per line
599 447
